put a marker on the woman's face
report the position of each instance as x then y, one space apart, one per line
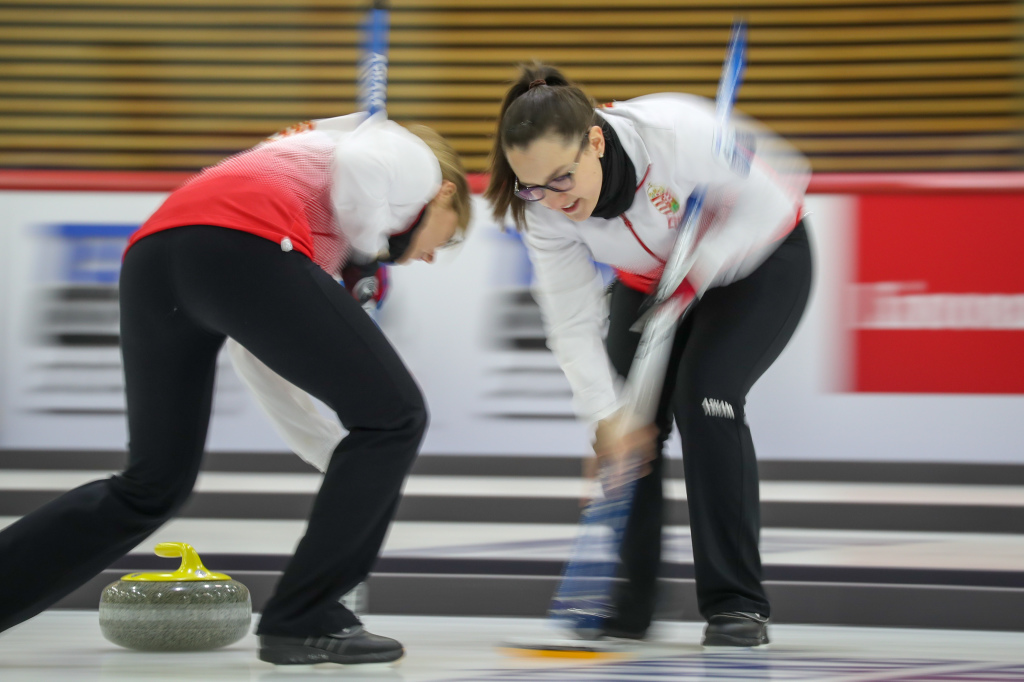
551 157
437 229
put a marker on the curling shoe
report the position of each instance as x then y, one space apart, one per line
736 629
351 645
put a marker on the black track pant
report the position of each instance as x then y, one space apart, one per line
182 292
731 336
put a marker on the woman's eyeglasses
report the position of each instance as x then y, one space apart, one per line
563 183
453 242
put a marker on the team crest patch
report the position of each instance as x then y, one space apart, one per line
662 200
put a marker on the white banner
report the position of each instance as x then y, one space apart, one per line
61 367
469 331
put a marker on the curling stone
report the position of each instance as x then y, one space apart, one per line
192 609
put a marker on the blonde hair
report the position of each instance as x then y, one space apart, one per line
451 170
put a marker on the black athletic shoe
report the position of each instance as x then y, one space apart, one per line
351 645
737 629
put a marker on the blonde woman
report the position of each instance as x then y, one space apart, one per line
249 249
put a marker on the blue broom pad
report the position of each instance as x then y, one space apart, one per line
583 597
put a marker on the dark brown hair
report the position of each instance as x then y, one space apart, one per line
532 110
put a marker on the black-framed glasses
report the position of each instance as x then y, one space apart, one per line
563 183
456 240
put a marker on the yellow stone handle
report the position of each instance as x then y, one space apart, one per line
191 566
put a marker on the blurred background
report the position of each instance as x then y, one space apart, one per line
889 432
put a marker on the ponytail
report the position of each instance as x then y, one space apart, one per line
541 102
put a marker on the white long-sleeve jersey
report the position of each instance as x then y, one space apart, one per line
669 138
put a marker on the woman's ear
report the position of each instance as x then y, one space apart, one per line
596 138
447 189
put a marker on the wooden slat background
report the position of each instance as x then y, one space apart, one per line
858 85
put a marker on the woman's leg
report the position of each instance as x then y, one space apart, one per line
735 333
304 326
169 365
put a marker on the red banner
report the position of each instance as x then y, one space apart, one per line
938 297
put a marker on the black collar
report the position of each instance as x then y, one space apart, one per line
618 185
399 243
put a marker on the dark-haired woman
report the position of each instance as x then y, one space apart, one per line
248 249
611 185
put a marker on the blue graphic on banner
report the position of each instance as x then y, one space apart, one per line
92 253
79 269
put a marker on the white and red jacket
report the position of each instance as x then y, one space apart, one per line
669 138
334 189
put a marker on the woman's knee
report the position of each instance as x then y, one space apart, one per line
402 407
156 497
417 416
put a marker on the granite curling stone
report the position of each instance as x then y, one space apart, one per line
192 609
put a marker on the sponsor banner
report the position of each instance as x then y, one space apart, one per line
937 303
471 333
466 327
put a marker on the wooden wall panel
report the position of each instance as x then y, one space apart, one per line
858 85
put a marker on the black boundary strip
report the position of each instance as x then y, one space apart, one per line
833 603
544 466
275 563
491 509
